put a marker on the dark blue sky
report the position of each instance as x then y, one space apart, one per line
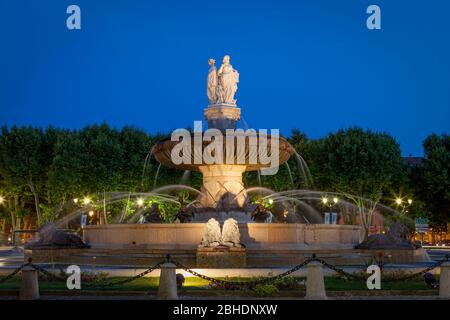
311 65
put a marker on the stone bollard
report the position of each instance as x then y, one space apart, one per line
315 286
444 281
29 289
167 289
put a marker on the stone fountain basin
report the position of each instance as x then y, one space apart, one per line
189 235
162 153
267 245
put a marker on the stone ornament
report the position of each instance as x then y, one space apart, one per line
51 237
211 83
230 233
222 84
228 237
211 234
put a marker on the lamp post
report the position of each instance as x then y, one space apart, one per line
403 205
330 203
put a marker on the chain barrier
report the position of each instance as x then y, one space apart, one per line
89 285
362 278
413 275
339 270
298 267
12 274
47 273
114 283
242 283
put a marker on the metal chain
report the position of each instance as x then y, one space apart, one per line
219 281
63 279
114 283
411 276
47 273
339 270
242 283
362 278
12 274
307 261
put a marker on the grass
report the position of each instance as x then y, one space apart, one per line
196 284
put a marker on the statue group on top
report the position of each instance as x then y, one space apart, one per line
222 84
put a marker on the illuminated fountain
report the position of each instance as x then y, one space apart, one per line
222 154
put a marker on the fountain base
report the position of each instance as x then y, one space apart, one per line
221 257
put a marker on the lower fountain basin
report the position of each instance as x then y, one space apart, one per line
189 235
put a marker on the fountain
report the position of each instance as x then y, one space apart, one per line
223 199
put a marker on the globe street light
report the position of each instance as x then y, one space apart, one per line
86 201
330 202
403 204
140 202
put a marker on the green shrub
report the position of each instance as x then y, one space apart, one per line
289 283
265 290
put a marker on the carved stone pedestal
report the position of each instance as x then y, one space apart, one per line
221 257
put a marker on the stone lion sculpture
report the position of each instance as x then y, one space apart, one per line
395 238
228 237
50 236
230 234
211 234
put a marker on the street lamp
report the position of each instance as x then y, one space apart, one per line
329 203
86 201
403 204
2 199
140 202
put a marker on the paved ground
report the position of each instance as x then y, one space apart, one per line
10 257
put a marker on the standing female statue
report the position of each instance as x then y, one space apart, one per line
228 79
211 83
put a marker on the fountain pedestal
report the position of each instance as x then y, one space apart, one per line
222 117
222 186
221 257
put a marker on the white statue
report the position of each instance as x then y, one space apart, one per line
211 83
230 233
211 234
228 80
221 85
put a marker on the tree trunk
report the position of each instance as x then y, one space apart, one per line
36 200
14 212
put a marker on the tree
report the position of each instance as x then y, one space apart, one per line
432 179
362 164
24 162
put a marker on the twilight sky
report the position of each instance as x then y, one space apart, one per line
311 65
